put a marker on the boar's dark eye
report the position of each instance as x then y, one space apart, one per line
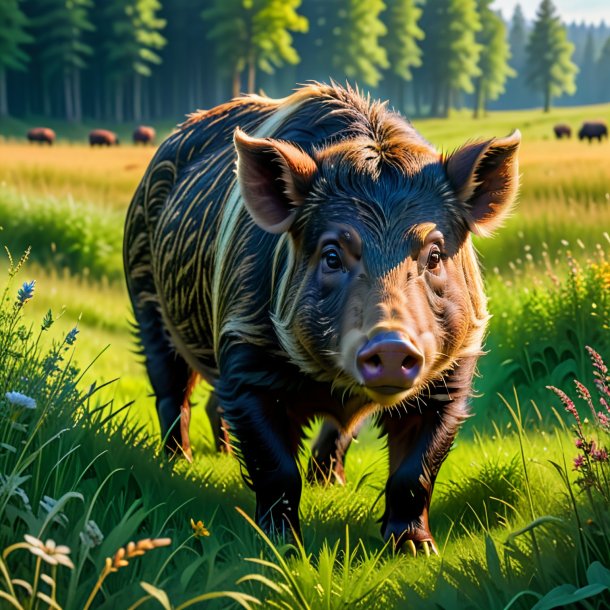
434 258
332 259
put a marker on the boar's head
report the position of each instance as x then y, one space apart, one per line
376 285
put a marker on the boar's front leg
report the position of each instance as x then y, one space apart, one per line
418 444
265 441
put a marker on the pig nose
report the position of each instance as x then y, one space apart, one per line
389 363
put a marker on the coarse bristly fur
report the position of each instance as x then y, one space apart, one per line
272 243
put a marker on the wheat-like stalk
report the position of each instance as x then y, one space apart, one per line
121 559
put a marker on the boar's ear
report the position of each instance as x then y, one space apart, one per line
485 176
274 178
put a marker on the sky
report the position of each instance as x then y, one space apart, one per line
589 11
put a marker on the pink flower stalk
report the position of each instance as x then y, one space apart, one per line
567 402
579 461
579 443
582 390
600 455
597 361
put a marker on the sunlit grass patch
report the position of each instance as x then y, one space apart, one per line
102 177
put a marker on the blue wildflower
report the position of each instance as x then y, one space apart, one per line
26 292
71 336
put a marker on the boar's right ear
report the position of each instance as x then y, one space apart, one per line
485 176
274 178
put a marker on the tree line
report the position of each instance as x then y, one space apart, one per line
119 60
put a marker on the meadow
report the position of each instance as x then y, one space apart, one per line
518 526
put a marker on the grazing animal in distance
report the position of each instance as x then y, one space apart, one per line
144 135
562 131
103 137
592 130
44 135
332 273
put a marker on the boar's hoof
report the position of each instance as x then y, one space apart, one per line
428 547
412 541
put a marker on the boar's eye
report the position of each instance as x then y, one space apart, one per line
434 258
331 259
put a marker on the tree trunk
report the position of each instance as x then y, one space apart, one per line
78 107
435 100
478 92
3 96
400 95
68 99
251 75
118 102
236 82
547 97
447 101
137 98
417 95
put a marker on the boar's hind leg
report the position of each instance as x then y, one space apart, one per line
328 454
170 377
418 444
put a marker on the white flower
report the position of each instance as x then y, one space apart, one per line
49 551
20 400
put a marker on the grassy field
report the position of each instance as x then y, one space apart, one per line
509 522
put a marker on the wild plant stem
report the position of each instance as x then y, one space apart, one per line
97 587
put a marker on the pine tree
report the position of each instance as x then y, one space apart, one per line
356 52
603 73
493 63
60 30
550 69
401 42
132 48
450 51
254 34
13 36
587 75
517 40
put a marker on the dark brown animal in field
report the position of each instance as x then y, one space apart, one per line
144 135
333 273
592 130
103 137
562 131
43 135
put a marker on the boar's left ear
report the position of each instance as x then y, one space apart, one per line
274 177
485 176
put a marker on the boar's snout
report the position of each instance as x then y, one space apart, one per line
389 363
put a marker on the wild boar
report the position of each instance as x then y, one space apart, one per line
44 135
313 255
593 129
103 137
562 130
144 135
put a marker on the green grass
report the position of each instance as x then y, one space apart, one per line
499 478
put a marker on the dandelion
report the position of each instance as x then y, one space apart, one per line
49 552
199 529
16 399
26 292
